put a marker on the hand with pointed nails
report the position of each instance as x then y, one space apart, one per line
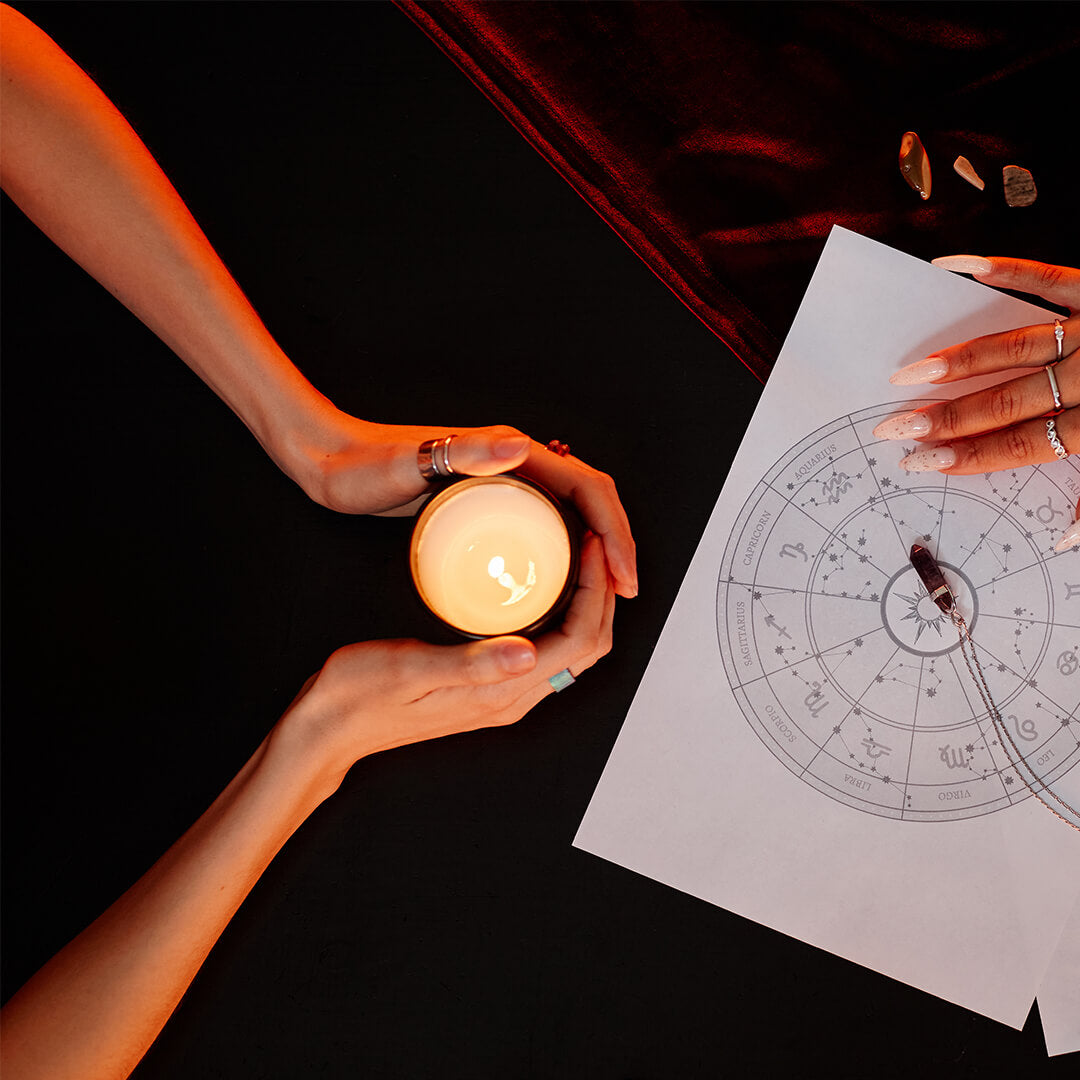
1004 426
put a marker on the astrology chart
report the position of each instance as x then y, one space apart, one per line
843 665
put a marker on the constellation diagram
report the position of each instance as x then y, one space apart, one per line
845 668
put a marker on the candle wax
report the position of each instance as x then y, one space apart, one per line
492 556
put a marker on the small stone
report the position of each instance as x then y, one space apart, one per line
914 164
1019 186
965 169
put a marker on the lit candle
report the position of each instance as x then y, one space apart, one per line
492 555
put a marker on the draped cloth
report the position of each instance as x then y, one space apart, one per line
721 141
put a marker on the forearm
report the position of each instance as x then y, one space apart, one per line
96 1007
79 172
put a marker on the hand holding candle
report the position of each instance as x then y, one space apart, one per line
358 467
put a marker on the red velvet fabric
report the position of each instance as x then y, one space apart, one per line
722 141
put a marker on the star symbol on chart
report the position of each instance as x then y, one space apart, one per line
931 691
871 462
858 643
757 596
887 779
969 749
1065 722
1008 779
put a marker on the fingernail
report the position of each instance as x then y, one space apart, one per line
963 264
913 425
933 367
517 658
510 446
1070 538
933 457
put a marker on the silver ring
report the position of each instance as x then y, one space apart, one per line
1055 442
429 455
562 680
1054 384
1059 337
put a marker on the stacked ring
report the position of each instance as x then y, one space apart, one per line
429 455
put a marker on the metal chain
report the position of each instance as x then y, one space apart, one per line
1000 728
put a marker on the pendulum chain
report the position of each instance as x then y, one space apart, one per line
1000 728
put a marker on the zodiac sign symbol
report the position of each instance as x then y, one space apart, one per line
875 749
811 700
793 550
770 620
835 486
1072 590
497 570
953 758
1067 662
1025 730
1049 507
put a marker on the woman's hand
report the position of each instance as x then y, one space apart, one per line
1004 426
358 467
380 694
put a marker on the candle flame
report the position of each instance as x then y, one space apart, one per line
497 570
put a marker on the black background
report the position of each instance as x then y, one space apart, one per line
167 591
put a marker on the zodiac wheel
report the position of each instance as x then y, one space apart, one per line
848 672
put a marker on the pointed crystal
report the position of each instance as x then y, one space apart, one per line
1019 186
914 164
965 169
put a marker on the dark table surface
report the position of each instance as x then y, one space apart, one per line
167 591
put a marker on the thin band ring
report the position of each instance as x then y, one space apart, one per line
562 680
1052 437
1059 337
1049 369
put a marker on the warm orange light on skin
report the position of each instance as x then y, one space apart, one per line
490 555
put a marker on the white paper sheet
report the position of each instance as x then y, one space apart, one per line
1059 994
807 748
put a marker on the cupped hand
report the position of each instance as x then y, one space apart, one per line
381 694
1004 426
358 467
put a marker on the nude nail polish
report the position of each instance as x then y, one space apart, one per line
963 264
929 459
913 425
1070 538
922 371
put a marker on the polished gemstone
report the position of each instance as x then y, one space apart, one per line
914 164
965 169
1019 186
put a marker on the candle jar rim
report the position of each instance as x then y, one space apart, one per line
571 522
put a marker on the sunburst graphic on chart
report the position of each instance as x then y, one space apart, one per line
846 669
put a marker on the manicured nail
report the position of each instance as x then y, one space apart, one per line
933 457
933 367
510 446
912 425
516 658
1070 538
964 264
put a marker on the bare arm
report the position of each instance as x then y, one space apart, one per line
75 167
93 1011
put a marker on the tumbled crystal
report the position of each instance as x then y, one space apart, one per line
914 164
1019 186
965 169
